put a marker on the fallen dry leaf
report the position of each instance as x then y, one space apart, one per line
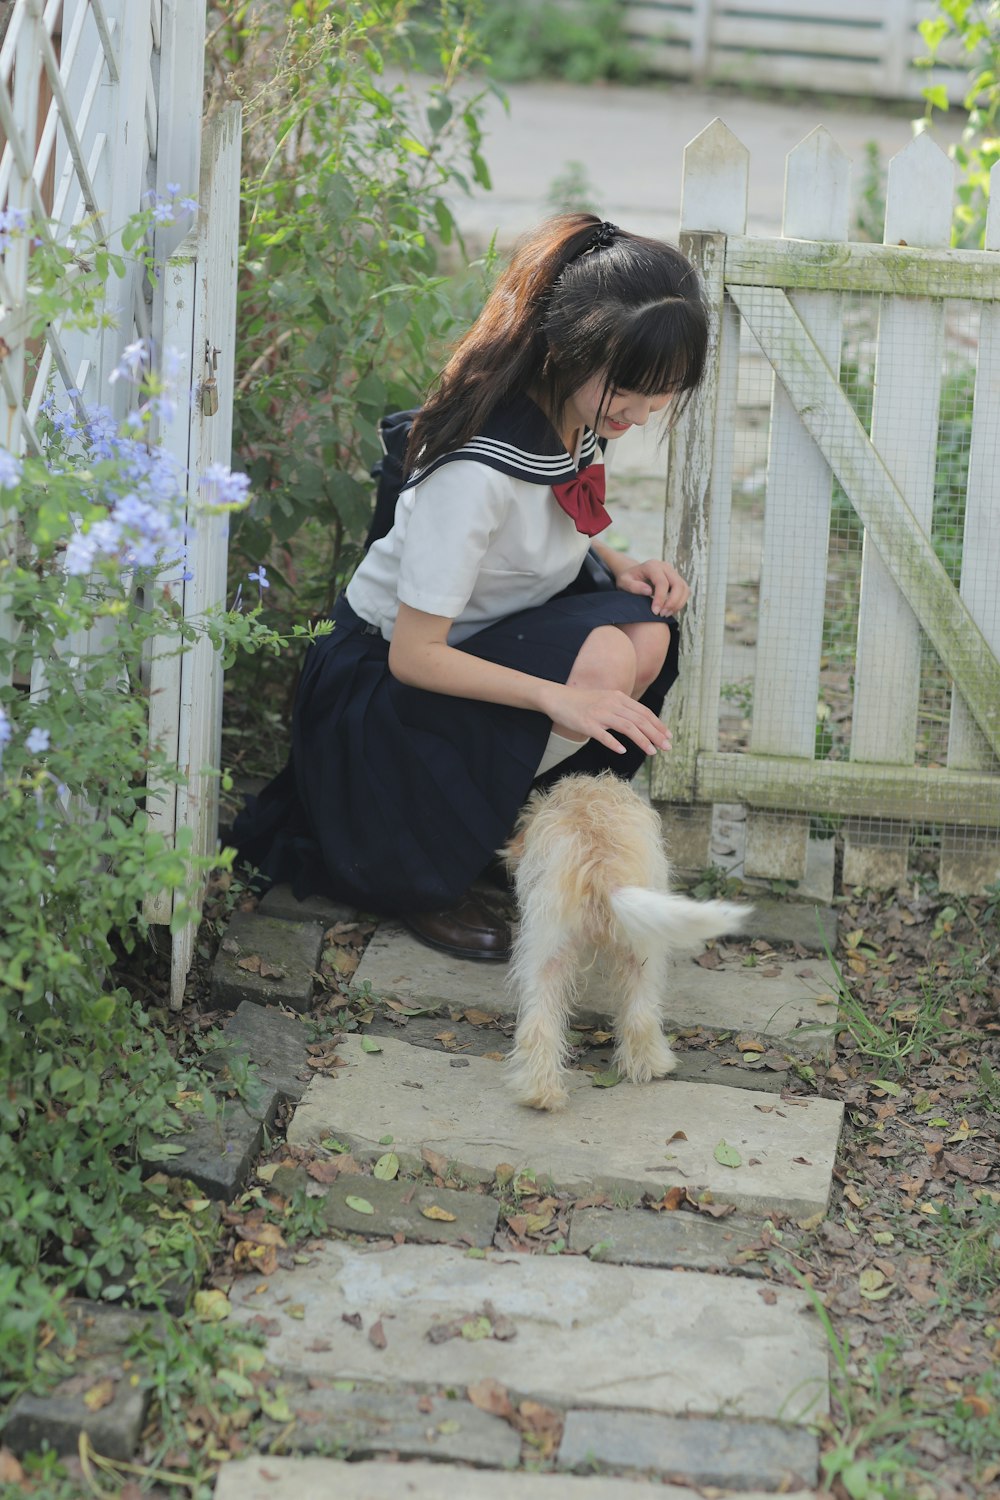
433 1159
100 1395
376 1335
490 1396
433 1211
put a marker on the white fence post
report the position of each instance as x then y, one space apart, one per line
970 859
198 313
907 397
699 489
796 523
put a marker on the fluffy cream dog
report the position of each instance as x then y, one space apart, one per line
593 879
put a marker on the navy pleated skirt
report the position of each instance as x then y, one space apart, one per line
394 798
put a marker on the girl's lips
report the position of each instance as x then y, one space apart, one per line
618 426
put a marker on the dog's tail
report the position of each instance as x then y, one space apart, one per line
674 920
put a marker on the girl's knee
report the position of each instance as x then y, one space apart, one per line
650 644
606 659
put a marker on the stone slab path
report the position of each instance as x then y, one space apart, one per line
787 999
575 1333
625 1140
323 1479
667 1357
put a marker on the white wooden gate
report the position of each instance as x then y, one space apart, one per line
867 47
794 302
100 109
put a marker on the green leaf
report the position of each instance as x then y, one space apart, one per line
387 1167
369 1045
332 1144
477 1328
359 1205
275 1406
239 1384
727 1156
606 1080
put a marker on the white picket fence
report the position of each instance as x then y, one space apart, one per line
809 303
867 47
101 107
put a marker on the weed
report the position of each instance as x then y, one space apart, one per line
967 1246
544 39
907 1026
987 1095
869 215
870 1420
572 192
302 1218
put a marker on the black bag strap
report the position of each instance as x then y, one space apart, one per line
394 434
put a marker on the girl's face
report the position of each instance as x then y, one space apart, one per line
617 410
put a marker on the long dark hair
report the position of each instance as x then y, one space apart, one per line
577 299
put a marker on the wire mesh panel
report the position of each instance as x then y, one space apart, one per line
845 638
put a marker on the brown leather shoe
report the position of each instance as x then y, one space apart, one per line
470 929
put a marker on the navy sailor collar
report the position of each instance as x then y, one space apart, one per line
518 439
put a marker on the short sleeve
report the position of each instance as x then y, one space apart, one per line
455 515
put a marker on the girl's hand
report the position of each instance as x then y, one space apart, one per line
669 591
602 714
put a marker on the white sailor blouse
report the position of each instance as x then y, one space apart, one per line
481 533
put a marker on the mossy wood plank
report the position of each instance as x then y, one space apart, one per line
828 416
796 525
831 266
851 788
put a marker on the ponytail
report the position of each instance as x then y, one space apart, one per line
579 297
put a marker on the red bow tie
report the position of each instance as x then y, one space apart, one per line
582 499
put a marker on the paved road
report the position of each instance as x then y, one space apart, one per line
630 143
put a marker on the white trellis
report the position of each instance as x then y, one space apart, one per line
912 310
100 108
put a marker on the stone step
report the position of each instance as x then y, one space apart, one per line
703 1451
398 1207
362 1421
694 1064
635 1237
621 1140
324 1478
785 998
290 952
102 1368
561 1330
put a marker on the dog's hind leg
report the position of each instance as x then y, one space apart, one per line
642 1051
544 975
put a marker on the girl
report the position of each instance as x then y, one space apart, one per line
478 647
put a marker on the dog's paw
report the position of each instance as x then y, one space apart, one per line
654 1060
535 1081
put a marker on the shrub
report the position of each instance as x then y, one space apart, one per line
976 27
343 313
90 1086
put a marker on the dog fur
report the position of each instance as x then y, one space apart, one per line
593 879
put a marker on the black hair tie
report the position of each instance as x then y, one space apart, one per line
603 236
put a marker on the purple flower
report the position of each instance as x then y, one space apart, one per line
173 188
163 212
37 741
260 578
80 554
132 364
5 730
189 206
230 490
10 470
